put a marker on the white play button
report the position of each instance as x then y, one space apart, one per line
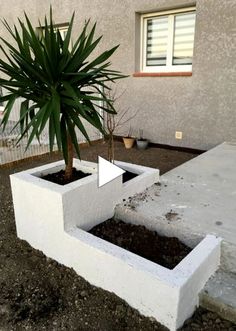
107 171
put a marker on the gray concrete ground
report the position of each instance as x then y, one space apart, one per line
219 295
194 199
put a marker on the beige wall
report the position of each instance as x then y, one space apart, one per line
203 106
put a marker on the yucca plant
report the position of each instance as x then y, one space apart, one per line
57 82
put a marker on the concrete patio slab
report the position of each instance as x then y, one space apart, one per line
219 295
193 200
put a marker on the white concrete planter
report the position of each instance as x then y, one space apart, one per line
170 296
80 203
54 219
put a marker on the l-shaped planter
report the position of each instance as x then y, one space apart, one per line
54 219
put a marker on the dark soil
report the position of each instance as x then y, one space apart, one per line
204 320
59 177
38 294
166 251
128 176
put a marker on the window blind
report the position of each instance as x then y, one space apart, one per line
157 41
183 38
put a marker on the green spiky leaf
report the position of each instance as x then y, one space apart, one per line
60 83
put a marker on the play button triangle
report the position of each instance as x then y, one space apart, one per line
107 171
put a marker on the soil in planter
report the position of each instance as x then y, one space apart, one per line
128 176
166 251
59 177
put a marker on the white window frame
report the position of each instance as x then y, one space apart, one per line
169 67
61 29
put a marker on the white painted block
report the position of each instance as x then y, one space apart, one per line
147 177
55 218
82 202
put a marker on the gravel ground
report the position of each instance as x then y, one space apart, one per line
37 293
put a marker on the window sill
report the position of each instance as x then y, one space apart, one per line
162 74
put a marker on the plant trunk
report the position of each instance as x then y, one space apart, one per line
111 148
69 165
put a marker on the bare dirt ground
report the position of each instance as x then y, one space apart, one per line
37 293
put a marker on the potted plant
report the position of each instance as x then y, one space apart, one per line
142 143
129 140
113 123
58 85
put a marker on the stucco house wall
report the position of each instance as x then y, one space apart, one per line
202 106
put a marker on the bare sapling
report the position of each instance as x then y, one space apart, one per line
114 122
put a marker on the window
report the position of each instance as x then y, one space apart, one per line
62 30
168 40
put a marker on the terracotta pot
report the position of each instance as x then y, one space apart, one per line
129 142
